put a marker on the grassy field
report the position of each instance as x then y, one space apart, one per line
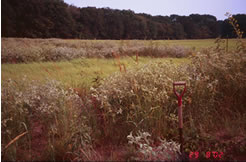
192 43
198 44
83 71
76 73
114 99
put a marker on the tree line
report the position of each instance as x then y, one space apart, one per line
56 19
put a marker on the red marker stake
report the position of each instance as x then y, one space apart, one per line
180 115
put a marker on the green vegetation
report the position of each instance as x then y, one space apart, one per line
77 72
122 107
198 44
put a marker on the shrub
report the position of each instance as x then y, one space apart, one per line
139 99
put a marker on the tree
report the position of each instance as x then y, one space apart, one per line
55 18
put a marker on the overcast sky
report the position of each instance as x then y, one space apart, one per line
167 7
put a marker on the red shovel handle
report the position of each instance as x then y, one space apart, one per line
179 96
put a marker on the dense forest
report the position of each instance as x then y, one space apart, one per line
56 19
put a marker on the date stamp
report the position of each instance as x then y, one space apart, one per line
209 155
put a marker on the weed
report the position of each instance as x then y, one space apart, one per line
57 109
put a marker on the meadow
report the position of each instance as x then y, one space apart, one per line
85 59
113 99
77 72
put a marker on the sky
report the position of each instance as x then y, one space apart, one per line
217 8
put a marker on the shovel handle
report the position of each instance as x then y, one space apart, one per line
179 96
179 84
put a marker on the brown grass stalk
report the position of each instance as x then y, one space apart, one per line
14 140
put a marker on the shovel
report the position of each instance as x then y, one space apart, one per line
180 115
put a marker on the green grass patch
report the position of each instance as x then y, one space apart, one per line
193 43
76 72
198 44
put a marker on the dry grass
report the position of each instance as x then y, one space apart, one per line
19 50
129 97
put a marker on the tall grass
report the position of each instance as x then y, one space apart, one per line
133 108
57 109
141 100
49 101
